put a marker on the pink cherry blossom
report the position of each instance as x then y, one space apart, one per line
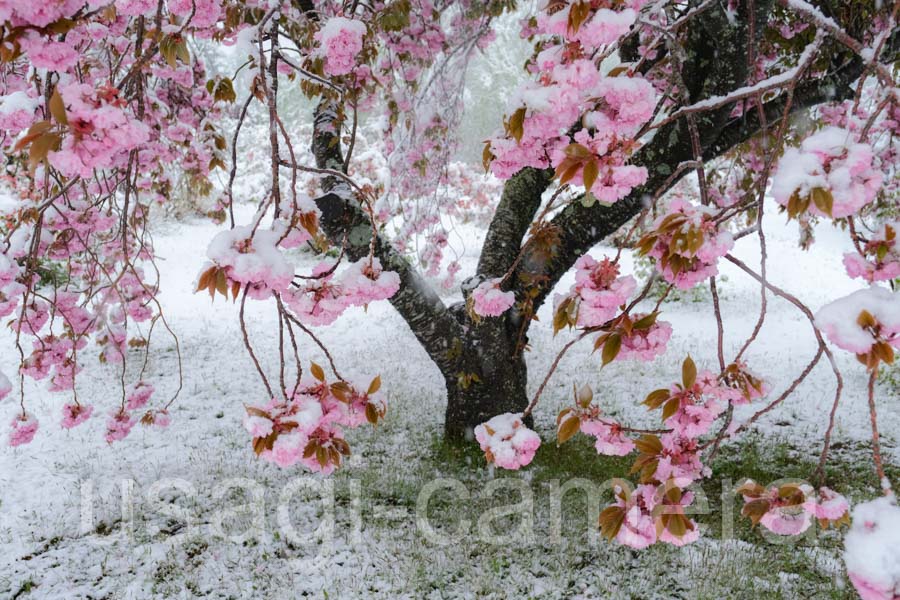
610 439
598 291
784 521
341 40
140 394
645 344
839 320
76 414
694 264
880 258
251 258
832 160
364 282
24 426
101 133
488 300
830 505
507 442
870 549
679 460
118 425
320 300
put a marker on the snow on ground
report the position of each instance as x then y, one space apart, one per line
63 533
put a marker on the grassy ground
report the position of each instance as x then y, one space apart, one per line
733 560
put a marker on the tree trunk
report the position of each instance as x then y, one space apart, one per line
488 377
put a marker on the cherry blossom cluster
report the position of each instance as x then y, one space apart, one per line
667 463
507 442
829 175
569 88
597 302
597 295
878 258
686 244
788 509
489 300
637 336
692 406
324 297
341 40
103 110
307 428
867 323
649 514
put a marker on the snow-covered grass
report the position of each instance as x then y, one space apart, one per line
54 543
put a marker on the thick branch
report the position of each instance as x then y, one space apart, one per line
518 205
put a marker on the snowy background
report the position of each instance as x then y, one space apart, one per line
63 533
47 552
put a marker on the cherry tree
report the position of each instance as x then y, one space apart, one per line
664 123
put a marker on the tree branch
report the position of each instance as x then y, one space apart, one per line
416 301
520 201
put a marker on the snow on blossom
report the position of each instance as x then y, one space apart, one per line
830 174
364 282
628 103
320 300
488 300
24 426
306 428
118 425
605 27
880 258
17 111
507 442
570 88
829 506
603 152
686 244
139 395
75 414
159 418
861 320
871 549
340 40
251 258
